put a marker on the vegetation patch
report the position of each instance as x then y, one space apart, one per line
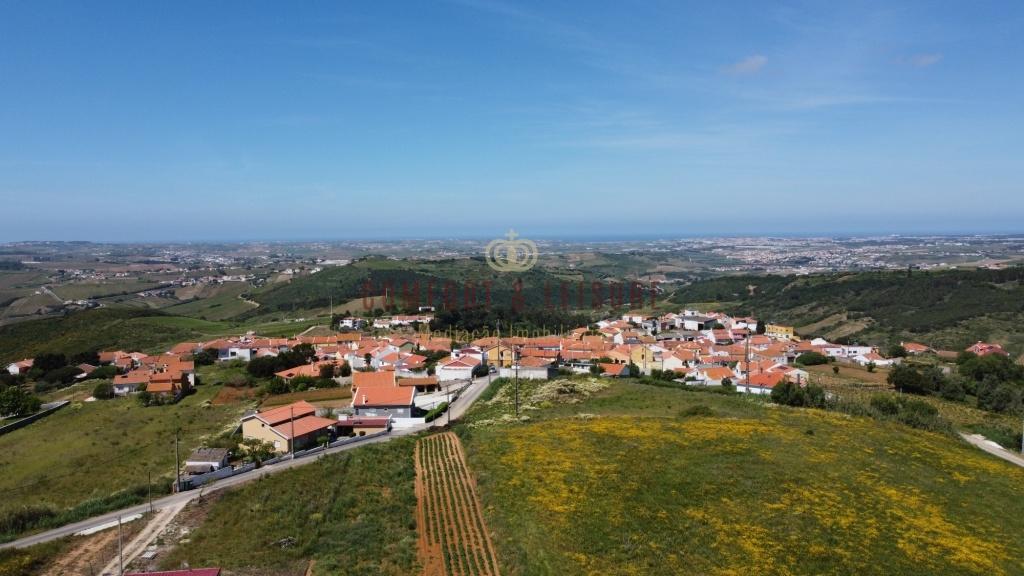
781 491
353 513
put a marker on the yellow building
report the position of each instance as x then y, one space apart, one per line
506 355
780 332
279 426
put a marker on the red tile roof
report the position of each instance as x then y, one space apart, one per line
275 416
382 396
364 380
303 426
425 381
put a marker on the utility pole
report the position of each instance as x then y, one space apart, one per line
746 359
151 490
515 358
177 463
448 410
291 412
120 549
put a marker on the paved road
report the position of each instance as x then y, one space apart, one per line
458 408
994 449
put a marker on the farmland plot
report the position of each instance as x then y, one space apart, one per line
453 538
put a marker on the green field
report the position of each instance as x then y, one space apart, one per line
353 513
216 302
946 310
90 450
102 329
87 290
635 479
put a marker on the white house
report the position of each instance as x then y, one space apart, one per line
841 351
529 368
20 367
456 369
203 460
876 359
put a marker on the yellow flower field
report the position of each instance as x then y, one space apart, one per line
785 492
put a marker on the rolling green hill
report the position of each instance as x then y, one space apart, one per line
617 477
634 479
401 278
102 328
949 309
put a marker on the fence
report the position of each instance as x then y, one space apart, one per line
226 472
46 411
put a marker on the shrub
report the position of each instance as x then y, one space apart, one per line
103 390
205 357
790 394
104 372
17 402
907 379
437 411
346 370
952 389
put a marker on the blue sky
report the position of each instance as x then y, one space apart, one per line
198 121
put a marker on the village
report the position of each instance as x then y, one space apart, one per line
403 378
396 379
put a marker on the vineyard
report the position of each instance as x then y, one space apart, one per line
453 537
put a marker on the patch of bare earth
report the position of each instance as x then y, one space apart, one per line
87 555
176 532
453 538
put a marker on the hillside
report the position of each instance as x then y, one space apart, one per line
101 328
949 309
635 479
442 283
619 477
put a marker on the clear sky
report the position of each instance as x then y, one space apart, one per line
245 120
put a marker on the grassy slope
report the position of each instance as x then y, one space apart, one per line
29 561
682 482
944 309
354 513
349 282
215 303
93 449
102 328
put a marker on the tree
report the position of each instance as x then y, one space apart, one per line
952 389
327 371
103 390
346 370
257 450
17 402
86 357
367 359
480 370
144 398
896 351
871 366
205 357
277 386
48 361
791 394
905 378
106 372
727 384
264 367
